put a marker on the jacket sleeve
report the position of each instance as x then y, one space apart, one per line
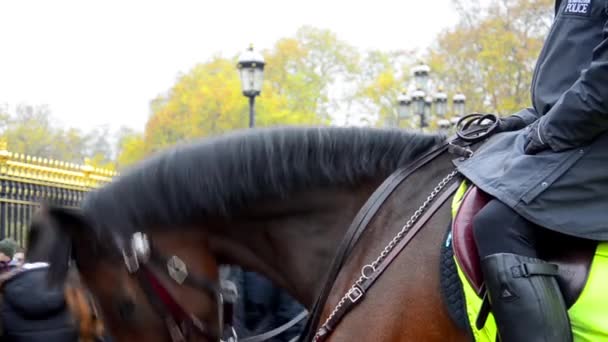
529 115
581 113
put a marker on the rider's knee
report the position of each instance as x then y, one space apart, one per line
485 226
491 225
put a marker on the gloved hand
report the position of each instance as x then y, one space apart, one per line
510 123
534 141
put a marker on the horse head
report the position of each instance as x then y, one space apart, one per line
149 286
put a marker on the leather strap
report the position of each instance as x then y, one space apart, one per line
277 331
367 283
360 222
526 270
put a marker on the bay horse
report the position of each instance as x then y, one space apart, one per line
40 241
276 201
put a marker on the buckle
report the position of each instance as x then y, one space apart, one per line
462 151
520 271
130 262
355 294
140 246
138 251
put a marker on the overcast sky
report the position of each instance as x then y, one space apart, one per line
101 62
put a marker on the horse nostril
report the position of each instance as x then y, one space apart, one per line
126 309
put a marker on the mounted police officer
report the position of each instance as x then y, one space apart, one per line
548 173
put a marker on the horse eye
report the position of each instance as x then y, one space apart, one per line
126 309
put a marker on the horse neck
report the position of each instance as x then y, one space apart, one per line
292 241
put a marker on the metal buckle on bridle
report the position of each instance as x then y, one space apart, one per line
138 252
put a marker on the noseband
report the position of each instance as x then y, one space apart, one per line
141 260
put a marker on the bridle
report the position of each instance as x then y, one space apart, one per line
143 261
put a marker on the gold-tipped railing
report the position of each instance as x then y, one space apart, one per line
26 181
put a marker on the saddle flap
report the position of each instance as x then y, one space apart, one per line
463 241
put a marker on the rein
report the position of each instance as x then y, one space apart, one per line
470 130
357 227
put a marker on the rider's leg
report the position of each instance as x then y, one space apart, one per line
526 300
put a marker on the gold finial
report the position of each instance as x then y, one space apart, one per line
4 153
87 168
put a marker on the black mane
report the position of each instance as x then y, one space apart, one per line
218 176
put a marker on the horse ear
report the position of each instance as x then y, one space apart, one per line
69 228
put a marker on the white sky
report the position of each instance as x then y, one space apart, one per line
101 62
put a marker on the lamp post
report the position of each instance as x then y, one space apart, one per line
425 106
418 100
405 102
251 70
422 103
428 105
421 76
440 102
458 103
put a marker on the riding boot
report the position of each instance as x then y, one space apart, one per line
526 301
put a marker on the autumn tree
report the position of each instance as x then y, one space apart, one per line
490 55
130 145
30 130
299 76
385 75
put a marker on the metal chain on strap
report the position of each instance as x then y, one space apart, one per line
355 292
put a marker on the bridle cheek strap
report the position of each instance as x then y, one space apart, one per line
177 311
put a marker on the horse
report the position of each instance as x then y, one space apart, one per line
87 324
276 201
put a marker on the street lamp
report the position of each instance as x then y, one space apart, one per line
428 104
421 76
458 102
418 100
251 70
405 102
441 103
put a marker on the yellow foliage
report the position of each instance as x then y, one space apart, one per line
490 55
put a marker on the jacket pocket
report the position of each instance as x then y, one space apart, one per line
570 158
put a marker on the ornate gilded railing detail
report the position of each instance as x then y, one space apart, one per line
26 181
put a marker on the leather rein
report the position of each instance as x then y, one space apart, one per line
470 129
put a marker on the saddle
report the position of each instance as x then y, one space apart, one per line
572 255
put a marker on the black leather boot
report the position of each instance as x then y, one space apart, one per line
526 301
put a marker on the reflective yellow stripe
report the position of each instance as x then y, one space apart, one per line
458 197
588 316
